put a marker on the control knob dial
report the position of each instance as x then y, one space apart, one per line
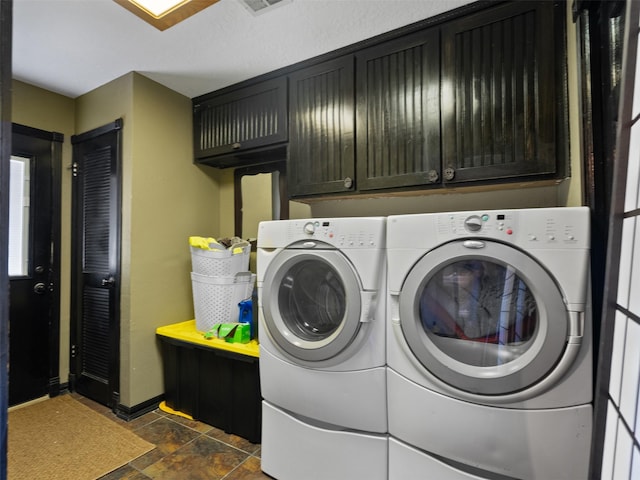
309 228
473 223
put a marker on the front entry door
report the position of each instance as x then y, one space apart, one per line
95 299
33 265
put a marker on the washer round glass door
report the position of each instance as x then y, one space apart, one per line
311 303
483 317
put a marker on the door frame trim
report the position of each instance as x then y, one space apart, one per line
6 26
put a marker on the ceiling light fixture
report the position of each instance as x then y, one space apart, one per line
258 7
163 14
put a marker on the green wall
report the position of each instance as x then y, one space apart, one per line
165 199
38 108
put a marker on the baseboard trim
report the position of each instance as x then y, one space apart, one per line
130 413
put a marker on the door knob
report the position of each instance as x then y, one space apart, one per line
108 282
449 173
40 288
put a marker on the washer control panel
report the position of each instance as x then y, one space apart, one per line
342 232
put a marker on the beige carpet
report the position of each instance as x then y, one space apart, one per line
61 439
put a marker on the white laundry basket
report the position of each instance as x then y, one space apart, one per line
215 299
221 263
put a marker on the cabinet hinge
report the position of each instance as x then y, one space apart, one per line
73 351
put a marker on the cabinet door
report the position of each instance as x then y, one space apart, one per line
242 120
321 147
500 93
398 118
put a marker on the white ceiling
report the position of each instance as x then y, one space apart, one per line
74 46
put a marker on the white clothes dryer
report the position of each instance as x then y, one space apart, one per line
321 304
490 343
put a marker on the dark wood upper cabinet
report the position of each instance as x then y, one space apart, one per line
502 93
229 126
321 146
398 112
476 95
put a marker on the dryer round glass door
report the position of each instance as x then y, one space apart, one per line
311 303
486 320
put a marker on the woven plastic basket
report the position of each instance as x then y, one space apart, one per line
220 263
216 299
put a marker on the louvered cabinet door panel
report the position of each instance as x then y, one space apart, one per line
96 193
95 333
501 96
398 118
321 144
241 120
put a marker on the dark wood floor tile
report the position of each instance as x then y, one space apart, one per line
166 435
142 420
147 459
185 449
194 424
125 473
248 470
202 459
233 440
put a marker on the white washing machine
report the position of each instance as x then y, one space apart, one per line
489 344
322 332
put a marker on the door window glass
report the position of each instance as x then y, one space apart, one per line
312 300
19 192
479 312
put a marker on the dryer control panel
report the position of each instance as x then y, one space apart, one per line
531 227
341 234
484 224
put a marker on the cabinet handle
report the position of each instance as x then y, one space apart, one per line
432 176
449 173
235 146
348 182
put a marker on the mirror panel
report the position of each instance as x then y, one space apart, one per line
257 202
261 194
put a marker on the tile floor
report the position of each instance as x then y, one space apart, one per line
185 449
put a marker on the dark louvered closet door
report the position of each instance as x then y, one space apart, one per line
95 302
